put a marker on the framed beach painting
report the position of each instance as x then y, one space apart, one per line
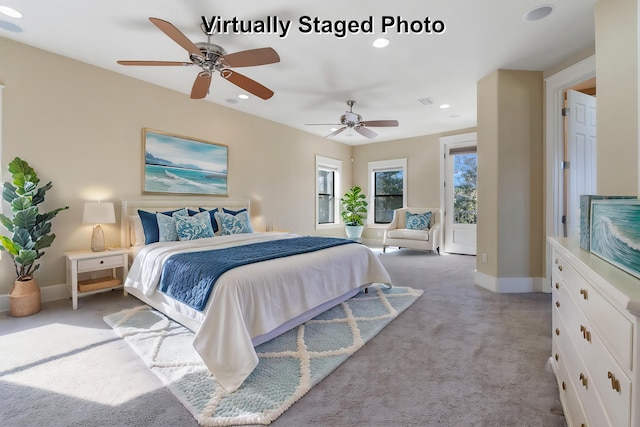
183 165
615 232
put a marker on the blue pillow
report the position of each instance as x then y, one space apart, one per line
234 224
229 211
193 227
418 221
150 225
214 223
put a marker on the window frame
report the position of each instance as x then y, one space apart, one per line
334 165
385 166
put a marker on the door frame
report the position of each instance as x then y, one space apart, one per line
555 87
446 141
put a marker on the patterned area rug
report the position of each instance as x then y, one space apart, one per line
290 364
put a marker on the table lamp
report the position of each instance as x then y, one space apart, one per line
98 213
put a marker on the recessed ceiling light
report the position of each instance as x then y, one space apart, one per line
445 106
381 42
10 26
538 13
243 96
9 11
232 101
425 101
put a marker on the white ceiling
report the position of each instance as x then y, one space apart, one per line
318 73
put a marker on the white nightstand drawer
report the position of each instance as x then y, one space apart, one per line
92 264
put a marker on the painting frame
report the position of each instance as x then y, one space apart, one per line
183 165
615 233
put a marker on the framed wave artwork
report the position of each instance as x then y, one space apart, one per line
615 232
183 165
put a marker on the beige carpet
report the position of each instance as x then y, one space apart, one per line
460 356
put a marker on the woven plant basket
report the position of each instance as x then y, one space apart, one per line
24 298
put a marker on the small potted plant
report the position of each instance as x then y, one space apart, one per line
31 233
354 210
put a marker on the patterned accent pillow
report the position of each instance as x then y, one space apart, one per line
234 224
214 223
418 221
193 227
166 228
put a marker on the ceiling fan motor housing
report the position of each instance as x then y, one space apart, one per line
350 119
210 59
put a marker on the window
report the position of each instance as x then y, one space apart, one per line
328 173
388 189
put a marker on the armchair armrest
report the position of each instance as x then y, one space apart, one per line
394 222
434 236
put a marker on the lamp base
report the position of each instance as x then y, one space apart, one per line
97 239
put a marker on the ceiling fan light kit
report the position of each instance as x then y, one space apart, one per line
211 58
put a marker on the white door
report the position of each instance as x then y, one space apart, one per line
461 197
580 175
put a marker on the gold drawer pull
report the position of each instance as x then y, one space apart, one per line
564 386
584 293
557 331
585 333
560 267
557 303
557 357
615 383
583 379
557 285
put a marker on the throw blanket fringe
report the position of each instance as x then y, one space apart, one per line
190 277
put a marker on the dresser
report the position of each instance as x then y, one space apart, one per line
595 346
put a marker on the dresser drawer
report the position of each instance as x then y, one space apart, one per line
613 327
107 261
573 411
582 381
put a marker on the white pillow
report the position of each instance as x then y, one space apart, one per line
136 232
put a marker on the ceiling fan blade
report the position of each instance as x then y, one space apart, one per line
156 63
247 84
252 57
336 132
201 86
169 29
380 123
366 132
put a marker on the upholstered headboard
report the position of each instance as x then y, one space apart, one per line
130 207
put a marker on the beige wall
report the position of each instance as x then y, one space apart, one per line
80 127
423 168
510 174
617 73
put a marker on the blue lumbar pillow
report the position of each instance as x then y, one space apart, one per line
418 221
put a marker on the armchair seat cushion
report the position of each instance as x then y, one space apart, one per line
403 233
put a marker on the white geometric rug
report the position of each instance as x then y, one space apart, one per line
290 364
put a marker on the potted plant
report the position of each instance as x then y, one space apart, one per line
354 210
31 233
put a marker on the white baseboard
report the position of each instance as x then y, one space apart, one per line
509 285
47 293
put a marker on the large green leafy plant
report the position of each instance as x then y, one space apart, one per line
354 206
31 229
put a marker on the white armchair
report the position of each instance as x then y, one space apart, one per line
398 235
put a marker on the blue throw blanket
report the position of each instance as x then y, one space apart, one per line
190 277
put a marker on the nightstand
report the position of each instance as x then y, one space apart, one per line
86 262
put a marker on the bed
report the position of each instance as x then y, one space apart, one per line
251 303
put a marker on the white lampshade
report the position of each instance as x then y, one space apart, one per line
98 213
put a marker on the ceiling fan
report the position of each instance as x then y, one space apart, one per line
211 58
351 120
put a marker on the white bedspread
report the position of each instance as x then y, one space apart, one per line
254 300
